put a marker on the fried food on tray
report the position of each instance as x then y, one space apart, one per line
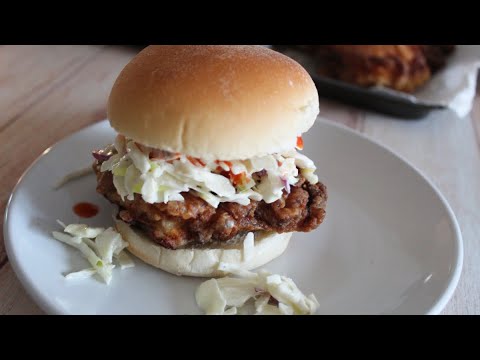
437 55
400 67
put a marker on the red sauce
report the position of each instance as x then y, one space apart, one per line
85 210
299 143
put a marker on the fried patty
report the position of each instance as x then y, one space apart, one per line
194 222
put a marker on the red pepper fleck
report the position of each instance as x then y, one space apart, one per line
299 143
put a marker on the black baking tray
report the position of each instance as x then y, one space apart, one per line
372 99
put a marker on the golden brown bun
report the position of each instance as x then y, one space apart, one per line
213 102
202 262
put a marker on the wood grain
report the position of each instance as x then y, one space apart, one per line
13 298
48 92
71 99
47 68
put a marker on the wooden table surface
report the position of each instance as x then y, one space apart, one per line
48 92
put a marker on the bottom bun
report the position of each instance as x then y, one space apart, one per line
203 262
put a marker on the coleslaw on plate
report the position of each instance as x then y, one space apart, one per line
99 246
270 294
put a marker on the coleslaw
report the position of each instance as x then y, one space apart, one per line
270 294
99 246
160 176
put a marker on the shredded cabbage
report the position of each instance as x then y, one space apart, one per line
210 299
237 291
163 178
100 252
231 311
82 274
108 243
271 294
248 246
82 230
236 270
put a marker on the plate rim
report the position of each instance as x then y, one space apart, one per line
47 306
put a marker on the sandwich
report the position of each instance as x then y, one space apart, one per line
207 165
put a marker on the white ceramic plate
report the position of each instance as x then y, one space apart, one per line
390 243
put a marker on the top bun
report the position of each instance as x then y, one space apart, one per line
213 102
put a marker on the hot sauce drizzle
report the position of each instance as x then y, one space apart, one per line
85 209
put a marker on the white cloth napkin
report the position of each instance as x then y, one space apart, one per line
454 86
